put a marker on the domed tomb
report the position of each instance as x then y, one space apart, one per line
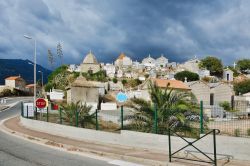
90 64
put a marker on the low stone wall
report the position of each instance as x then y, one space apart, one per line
237 147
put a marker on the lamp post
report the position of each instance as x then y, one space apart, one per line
42 77
30 38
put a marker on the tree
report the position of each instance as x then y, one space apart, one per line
243 65
50 58
71 110
242 87
124 82
174 108
213 64
115 80
59 52
186 74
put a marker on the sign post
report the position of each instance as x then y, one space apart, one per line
121 98
41 104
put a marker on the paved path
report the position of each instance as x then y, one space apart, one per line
18 152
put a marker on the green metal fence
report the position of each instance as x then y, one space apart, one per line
209 117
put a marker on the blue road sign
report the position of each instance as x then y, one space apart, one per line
121 97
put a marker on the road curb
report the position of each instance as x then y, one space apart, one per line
80 151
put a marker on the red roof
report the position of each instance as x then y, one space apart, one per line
12 78
29 86
175 84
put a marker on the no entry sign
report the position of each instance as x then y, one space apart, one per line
41 103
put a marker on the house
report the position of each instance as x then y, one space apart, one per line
119 73
211 93
90 64
228 75
162 83
190 65
161 61
109 69
30 88
203 73
85 91
16 82
123 61
148 62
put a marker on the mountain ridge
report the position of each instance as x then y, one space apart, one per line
24 68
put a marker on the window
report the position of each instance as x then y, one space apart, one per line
211 99
227 77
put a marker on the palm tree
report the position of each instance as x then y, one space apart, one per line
175 110
72 110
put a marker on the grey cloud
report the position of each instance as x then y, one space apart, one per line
178 29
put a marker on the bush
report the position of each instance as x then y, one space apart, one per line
213 64
115 80
236 132
5 92
124 82
225 105
242 87
189 75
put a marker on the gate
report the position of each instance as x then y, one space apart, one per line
191 143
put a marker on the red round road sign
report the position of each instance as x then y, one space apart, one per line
40 103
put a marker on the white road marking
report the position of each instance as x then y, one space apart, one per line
123 163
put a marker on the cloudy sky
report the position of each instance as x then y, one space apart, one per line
179 29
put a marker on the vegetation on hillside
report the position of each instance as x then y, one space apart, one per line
213 64
242 87
186 74
98 76
243 65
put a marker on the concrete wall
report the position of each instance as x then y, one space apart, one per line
201 91
10 83
235 146
82 94
86 67
222 92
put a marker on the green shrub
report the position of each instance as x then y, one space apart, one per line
124 82
236 132
5 92
186 74
115 80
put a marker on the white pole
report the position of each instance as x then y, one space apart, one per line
35 75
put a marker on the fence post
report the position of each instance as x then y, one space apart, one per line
71 118
215 158
122 117
60 114
36 112
155 119
47 114
76 118
169 145
27 109
96 120
201 117
22 109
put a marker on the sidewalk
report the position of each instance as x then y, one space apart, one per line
137 155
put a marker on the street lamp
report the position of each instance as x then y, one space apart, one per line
42 77
30 38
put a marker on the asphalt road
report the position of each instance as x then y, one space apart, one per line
18 152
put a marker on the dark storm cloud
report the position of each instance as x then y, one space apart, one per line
179 29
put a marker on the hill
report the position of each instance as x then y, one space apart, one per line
24 68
